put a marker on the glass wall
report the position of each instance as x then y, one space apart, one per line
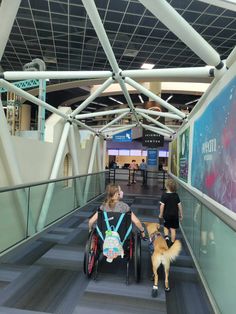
213 244
22 208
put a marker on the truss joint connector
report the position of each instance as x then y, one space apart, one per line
220 65
212 73
70 119
121 75
113 76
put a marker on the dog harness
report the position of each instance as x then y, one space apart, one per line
152 238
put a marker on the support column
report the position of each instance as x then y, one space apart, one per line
90 167
25 117
54 173
75 160
152 157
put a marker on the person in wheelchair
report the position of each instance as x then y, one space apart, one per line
114 204
113 235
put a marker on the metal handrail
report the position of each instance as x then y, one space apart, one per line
28 185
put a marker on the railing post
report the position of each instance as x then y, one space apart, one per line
114 175
163 179
129 183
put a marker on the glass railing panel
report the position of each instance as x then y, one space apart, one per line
63 200
94 185
197 214
213 245
187 222
217 259
36 197
14 217
21 209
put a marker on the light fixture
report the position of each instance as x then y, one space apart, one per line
119 102
192 101
147 66
141 99
92 108
99 104
169 98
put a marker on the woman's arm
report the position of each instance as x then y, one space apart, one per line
92 220
138 223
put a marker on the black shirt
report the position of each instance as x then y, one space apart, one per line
171 201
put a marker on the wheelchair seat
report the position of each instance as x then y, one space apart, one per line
131 245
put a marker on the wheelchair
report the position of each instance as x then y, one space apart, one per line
132 245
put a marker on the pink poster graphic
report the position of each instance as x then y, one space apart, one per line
214 149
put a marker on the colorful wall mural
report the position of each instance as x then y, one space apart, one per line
214 149
184 155
174 158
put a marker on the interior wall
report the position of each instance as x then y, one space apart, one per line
35 158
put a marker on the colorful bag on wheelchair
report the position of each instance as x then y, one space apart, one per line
112 246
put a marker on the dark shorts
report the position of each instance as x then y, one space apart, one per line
171 223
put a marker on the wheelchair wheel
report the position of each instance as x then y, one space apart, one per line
91 253
137 256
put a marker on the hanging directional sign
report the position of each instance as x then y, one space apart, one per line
151 139
125 136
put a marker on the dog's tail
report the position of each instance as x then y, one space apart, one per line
174 250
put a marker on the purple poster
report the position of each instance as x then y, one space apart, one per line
214 149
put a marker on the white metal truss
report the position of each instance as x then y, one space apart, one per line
75 161
56 166
168 16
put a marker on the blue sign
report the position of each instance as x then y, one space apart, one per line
125 136
152 157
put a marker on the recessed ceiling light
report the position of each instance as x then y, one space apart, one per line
192 101
130 53
141 98
119 102
147 66
99 104
169 98
91 108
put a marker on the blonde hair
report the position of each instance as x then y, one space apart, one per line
111 190
171 185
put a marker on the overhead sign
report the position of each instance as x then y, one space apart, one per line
152 157
151 139
125 136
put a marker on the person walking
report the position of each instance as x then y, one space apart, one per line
143 168
171 210
132 169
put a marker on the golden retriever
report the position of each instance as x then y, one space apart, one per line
161 254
